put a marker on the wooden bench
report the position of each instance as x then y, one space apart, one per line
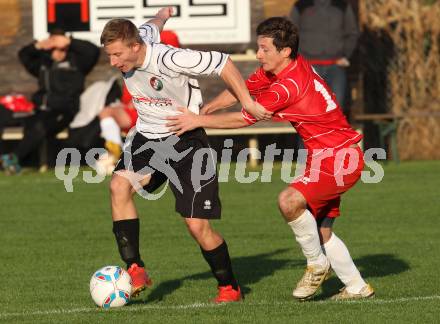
16 133
388 124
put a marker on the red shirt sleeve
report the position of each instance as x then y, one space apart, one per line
248 118
276 97
279 95
257 82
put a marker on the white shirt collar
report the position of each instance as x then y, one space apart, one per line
148 54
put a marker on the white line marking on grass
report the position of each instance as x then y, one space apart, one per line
135 308
132 308
381 301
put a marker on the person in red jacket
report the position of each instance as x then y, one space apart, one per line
287 85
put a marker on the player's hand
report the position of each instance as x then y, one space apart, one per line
259 112
343 61
206 110
183 122
60 41
45 44
165 13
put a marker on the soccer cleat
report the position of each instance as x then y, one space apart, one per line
366 292
10 164
227 294
139 279
312 279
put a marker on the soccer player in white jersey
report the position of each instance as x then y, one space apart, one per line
158 78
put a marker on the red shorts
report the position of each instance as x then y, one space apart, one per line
322 186
132 113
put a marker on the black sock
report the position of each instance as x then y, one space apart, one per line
220 263
127 237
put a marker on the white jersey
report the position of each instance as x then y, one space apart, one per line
163 83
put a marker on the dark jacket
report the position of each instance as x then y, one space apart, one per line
328 28
60 84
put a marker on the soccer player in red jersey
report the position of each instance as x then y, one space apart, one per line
287 85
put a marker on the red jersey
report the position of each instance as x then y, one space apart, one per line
299 95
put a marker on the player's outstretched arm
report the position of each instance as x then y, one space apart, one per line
235 82
224 100
161 17
259 112
187 121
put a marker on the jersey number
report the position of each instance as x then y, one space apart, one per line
323 91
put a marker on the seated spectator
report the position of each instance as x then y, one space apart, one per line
13 108
60 64
113 119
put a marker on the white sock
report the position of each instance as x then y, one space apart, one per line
306 234
110 130
343 265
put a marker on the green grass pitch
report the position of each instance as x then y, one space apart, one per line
52 241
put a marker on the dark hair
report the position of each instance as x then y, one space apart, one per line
283 31
57 31
120 29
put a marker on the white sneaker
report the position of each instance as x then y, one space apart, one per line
105 164
366 292
312 279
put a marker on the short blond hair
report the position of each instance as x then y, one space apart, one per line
120 29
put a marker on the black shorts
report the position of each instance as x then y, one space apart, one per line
187 162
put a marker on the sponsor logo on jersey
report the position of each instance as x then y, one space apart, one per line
156 84
153 102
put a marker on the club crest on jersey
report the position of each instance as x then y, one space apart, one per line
156 84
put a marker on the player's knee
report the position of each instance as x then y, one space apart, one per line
286 201
283 203
120 188
290 203
197 228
